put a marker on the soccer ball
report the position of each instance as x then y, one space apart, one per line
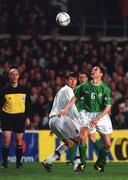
63 19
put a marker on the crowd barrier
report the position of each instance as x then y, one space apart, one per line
37 145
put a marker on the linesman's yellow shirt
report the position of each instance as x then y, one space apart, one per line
15 100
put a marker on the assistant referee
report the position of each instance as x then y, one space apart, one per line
14 115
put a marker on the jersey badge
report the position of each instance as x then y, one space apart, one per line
100 94
86 92
23 98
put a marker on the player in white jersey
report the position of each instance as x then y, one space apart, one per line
66 128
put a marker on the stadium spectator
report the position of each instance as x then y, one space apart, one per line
35 122
39 106
121 119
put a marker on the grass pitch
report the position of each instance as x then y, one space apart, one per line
35 171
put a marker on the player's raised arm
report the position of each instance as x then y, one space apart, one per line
65 110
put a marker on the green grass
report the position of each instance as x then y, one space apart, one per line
35 171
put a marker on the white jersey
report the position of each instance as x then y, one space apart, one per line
61 99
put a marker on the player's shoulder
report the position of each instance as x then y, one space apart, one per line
66 88
80 85
105 85
64 91
5 88
23 88
84 84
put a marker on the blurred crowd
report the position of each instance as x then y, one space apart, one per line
26 17
44 64
30 17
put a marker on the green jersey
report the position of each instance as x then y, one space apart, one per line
92 98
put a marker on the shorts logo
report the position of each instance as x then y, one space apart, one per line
100 94
107 98
86 92
82 98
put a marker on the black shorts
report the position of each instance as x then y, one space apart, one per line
15 123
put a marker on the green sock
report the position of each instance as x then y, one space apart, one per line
98 145
72 151
102 156
82 150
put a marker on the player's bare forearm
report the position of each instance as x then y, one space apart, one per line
105 111
99 116
70 103
66 108
27 123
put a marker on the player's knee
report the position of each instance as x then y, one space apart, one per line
57 152
19 142
108 145
92 139
82 139
6 140
69 143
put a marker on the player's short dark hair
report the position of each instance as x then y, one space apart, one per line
72 74
83 72
102 69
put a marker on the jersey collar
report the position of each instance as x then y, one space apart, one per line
96 84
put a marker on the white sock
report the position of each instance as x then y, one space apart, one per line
61 149
77 162
77 152
52 158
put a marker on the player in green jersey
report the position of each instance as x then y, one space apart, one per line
83 77
97 105
74 150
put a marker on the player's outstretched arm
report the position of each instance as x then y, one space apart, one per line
66 108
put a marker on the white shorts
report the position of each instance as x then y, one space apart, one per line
104 125
65 127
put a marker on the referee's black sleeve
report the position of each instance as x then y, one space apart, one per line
1 102
28 110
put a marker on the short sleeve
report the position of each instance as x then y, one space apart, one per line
78 91
107 97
